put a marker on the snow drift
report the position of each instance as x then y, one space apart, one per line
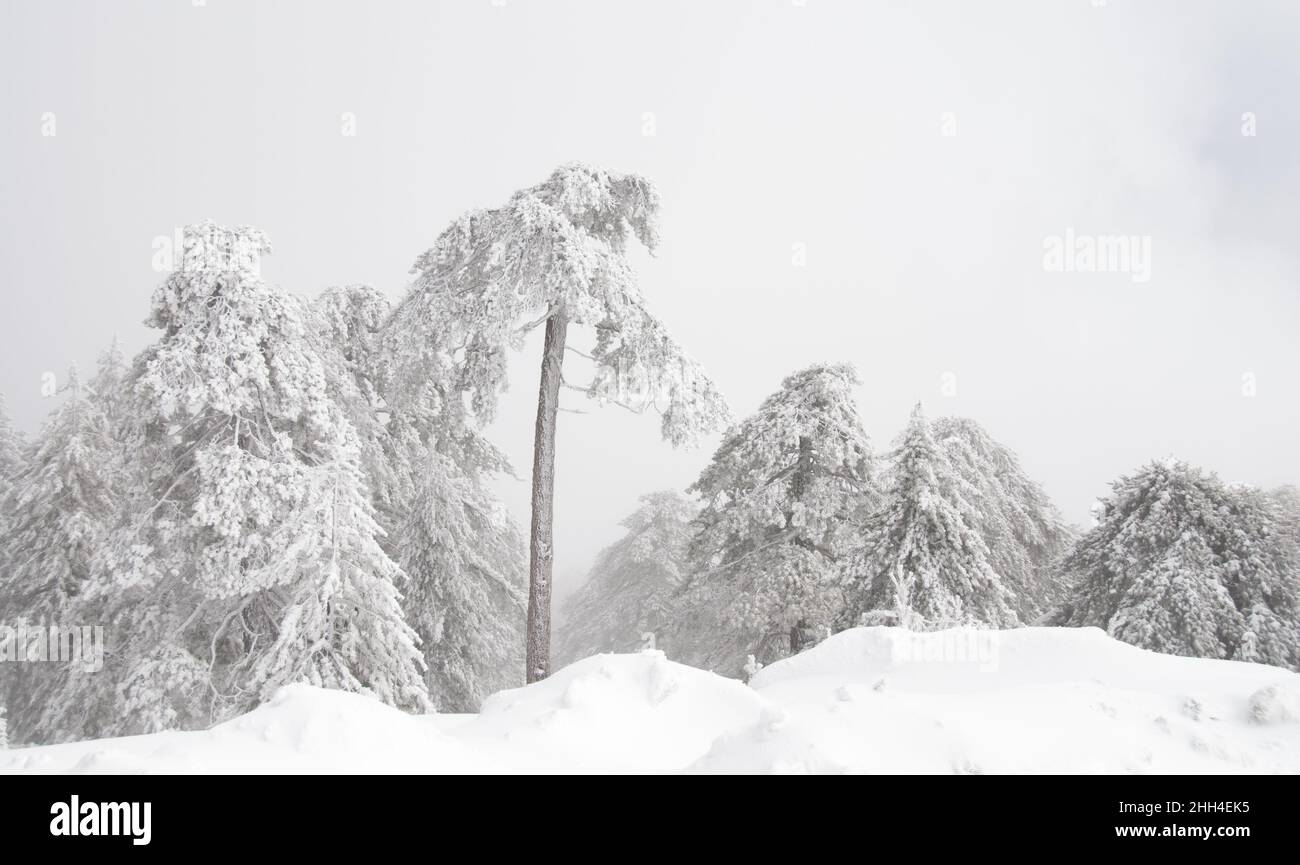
866 700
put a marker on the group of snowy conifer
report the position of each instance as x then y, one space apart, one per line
282 489
255 500
798 527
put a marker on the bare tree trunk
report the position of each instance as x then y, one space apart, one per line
540 550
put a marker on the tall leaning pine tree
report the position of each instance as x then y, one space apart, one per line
555 255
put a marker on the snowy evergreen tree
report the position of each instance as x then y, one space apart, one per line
60 507
630 590
462 554
346 331
249 553
1025 534
784 497
923 560
13 454
465 558
108 387
555 254
1285 501
1181 563
342 626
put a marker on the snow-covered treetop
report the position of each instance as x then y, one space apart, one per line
352 316
207 246
211 255
802 463
1164 488
232 343
559 246
562 241
1166 501
815 403
925 487
112 362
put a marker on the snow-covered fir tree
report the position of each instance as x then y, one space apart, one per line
1024 532
1181 563
1286 504
463 556
556 254
923 562
60 508
248 555
467 599
630 590
341 625
783 499
59 511
1271 606
13 454
107 388
345 326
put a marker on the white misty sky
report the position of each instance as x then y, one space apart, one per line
774 124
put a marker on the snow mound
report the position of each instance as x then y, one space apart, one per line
869 700
1275 704
345 732
1062 700
300 729
623 713
975 659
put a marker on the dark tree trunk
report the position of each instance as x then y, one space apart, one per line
540 550
802 470
799 481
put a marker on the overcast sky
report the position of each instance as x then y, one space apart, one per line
876 183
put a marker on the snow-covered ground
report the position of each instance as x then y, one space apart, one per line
866 700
